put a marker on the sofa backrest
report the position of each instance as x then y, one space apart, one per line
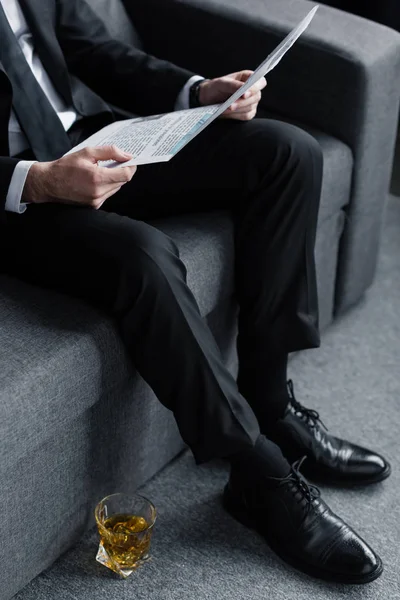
116 19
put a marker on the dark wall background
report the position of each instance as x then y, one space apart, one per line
383 11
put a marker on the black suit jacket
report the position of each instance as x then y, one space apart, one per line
89 69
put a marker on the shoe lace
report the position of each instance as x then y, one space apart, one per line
308 414
304 492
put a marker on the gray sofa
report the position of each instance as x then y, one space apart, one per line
76 421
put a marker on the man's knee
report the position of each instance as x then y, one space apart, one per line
142 252
133 249
289 144
136 260
137 238
303 146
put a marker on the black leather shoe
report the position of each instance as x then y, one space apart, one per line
300 528
329 459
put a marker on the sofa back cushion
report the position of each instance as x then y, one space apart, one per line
116 19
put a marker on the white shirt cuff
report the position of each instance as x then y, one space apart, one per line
16 187
182 102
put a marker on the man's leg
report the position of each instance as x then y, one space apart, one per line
269 175
133 271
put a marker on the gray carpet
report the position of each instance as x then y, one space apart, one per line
201 553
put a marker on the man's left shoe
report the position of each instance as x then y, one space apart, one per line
329 459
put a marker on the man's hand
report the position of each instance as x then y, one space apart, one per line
218 90
77 178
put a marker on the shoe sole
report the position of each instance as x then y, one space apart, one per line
323 478
241 515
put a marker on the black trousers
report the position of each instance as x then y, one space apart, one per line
268 174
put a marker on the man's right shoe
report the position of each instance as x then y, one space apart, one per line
300 528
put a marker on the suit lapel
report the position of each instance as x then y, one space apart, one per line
41 18
4 81
5 107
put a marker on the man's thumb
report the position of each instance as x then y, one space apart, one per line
108 153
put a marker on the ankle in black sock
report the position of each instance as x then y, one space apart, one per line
265 459
265 388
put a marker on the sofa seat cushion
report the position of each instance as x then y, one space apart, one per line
206 246
338 173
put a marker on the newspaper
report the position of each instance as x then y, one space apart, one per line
160 137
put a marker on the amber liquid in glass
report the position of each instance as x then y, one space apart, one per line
127 540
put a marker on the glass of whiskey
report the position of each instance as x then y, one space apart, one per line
125 524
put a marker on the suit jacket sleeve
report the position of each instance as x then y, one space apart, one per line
121 74
7 166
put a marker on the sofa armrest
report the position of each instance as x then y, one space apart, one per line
342 77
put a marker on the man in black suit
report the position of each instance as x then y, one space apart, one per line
71 225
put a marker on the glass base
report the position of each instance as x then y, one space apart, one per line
105 559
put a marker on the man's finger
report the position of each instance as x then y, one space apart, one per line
261 83
109 188
243 111
99 201
255 89
99 153
245 103
245 116
116 175
245 74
